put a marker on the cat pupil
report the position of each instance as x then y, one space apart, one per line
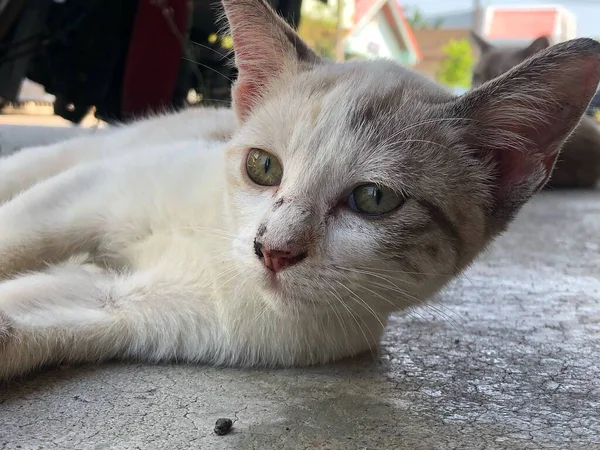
267 164
378 195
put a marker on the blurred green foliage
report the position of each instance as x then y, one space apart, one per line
455 69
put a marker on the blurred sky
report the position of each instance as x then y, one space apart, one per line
587 11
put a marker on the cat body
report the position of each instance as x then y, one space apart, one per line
282 232
579 162
30 165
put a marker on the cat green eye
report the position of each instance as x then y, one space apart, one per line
263 168
373 200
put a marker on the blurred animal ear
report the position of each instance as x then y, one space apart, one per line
484 46
520 120
265 48
537 45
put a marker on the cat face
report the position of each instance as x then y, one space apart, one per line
335 162
365 184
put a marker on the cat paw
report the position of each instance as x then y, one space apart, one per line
7 331
11 356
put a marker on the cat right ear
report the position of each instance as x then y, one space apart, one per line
484 46
537 45
519 121
265 48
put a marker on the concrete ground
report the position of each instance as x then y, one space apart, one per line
508 357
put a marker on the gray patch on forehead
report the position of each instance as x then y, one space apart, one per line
366 79
378 98
389 101
375 107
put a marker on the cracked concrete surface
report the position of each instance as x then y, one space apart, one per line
507 357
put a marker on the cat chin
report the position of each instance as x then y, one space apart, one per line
272 282
278 284
281 289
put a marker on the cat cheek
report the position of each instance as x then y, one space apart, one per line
351 245
235 165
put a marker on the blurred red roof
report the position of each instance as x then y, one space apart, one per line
364 8
522 23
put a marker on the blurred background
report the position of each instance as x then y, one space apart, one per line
85 61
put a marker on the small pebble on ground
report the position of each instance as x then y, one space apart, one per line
223 426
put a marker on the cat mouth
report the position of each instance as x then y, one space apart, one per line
277 280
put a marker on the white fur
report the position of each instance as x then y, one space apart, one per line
167 274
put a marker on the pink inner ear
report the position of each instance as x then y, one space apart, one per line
514 167
260 50
257 66
244 94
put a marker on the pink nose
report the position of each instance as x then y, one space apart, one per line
277 260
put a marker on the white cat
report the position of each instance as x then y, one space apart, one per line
346 192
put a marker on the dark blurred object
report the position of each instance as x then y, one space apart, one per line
68 110
126 58
21 22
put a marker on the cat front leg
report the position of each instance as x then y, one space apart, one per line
72 213
49 223
42 314
103 208
84 314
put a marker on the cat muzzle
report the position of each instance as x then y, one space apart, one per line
277 260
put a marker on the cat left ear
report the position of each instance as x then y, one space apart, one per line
484 46
265 48
519 121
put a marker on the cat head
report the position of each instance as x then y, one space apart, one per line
365 183
494 61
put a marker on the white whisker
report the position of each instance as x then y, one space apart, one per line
362 303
